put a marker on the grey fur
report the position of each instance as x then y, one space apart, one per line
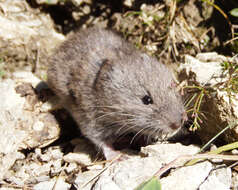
101 79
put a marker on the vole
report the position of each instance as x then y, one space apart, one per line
112 88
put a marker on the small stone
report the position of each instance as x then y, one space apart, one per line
38 126
45 158
86 9
128 3
58 184
25 89
79 158
56 167
71 167
57 154
61 184
38 151
95 167
234 151
42 178
211 57
25 77
16 181
38 170
44 185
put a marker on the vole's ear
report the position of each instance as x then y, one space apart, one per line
104 73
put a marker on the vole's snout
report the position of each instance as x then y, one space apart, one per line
174 126
177 125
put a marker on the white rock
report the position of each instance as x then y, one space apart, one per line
161 151
128 3
44 185
42 178
187 178
211 56
11 136
219 179
130 173
38 126
106 184
38 169
80 158
27 77
126 174
45 157
85 180
56 167
82 154
16 181
58 184
71 167
205 72
57 155
22 128
234 181
95 167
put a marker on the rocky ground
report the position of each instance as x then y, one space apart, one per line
40 147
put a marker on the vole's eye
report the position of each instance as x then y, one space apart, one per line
147 100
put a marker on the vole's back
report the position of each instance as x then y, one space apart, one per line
81 57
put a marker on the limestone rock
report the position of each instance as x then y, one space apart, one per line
21 127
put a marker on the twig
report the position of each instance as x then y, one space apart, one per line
231 40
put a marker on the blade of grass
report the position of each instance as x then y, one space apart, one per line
220 149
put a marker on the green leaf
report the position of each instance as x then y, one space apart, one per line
225 65
152 184
234 12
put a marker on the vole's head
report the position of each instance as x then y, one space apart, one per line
137 94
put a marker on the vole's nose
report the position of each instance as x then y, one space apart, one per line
174 126
177 125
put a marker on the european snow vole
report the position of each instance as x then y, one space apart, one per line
111 88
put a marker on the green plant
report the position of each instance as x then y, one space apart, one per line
194 103
53 1
152 184
2 72
211 2
234 12
219 150
231 85
147 18
195 106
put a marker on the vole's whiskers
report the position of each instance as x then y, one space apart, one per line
117 113
125 132
139 133
125 123
119 121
